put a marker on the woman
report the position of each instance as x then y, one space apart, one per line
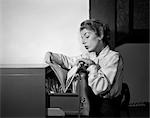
104 67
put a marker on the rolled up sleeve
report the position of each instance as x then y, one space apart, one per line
101 80
62 60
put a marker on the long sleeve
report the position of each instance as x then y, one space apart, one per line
60 59
101 80
63 60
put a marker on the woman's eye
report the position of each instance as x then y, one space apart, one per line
86 36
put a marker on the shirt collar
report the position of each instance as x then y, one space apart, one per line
104 52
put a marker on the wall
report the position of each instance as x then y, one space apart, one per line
136 70
134 49
104 10
30 28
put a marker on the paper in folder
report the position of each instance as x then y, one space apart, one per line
64 77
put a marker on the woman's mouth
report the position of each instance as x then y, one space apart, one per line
86 47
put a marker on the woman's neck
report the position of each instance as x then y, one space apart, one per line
100 48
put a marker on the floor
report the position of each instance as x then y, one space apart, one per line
134 112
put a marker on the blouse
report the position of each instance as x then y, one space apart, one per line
105 81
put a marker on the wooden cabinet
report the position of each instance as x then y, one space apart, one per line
23 93
67 101
72 103
23 90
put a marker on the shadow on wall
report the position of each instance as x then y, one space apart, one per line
132 22
140 36
136 70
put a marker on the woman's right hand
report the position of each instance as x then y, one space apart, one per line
48 57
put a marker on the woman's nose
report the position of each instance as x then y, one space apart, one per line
83 41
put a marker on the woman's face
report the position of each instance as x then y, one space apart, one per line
90 40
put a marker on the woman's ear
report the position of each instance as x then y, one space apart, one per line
101 37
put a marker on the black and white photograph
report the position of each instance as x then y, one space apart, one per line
74 59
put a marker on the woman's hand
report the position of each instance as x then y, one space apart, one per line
48 57
85 62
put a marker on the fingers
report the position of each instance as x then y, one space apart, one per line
80 61
85 62
47 58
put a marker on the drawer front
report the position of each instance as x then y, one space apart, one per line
69 104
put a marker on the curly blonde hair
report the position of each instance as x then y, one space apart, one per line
98 27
